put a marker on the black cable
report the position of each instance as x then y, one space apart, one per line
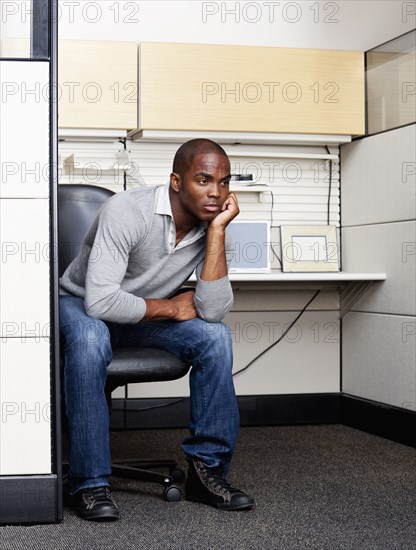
282 336
277 257
159 406
124 142
241 370
330 185
271 216
271 209
271 225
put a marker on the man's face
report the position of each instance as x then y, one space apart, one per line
205 186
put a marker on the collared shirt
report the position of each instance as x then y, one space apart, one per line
163 207
129 254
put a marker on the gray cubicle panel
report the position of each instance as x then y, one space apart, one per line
30 479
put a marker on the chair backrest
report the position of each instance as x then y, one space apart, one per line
78 205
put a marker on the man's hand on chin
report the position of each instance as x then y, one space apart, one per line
229 211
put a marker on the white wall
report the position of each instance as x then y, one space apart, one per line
379 231
342 24
357 24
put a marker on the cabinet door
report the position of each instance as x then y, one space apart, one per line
250 89
97 84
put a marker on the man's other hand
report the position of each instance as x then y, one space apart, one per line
184 303
178 308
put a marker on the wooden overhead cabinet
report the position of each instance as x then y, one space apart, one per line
250 89
97 84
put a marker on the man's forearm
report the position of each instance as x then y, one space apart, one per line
179 308
215 262
159 310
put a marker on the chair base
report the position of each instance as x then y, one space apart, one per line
142 470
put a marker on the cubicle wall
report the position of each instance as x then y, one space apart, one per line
25 331
307 361
30 490
379 234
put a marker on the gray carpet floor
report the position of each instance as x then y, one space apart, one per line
323 487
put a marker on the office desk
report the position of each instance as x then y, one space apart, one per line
351 285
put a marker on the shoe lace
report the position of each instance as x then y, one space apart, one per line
220 484
216 481
100 494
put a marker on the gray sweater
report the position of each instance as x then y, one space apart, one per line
129 254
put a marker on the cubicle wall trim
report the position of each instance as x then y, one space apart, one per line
376 418
369 416
25 59
367 134
54 285
390 40
358 138
37 498
255 410
29 499
40 41
365 98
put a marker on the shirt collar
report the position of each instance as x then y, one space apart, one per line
162 205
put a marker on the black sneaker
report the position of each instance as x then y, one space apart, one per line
205 485
96 504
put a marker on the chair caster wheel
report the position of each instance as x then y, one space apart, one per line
172 493
177 474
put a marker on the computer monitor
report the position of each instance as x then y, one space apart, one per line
251 246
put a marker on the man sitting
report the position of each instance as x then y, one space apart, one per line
147 242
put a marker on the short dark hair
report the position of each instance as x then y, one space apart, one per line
188 151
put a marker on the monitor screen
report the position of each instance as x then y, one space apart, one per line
251 246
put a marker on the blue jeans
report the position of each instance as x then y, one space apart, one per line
87 345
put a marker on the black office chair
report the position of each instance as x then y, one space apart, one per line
78 205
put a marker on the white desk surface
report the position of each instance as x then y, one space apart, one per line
279 277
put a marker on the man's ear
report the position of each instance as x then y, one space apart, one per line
175 182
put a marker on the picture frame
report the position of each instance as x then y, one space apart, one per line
309 248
